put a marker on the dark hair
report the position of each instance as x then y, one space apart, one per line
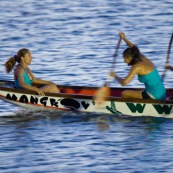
134 53
9 65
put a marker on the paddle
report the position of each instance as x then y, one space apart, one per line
105 91
168 56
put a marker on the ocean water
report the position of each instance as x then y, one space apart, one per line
72 43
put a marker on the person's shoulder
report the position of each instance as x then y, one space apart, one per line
143 57
19 69
138 64
138 67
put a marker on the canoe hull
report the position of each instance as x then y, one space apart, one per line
83 103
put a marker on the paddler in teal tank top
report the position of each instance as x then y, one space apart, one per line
146 71
153 85
24 78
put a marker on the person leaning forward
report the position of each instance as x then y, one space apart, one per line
146 72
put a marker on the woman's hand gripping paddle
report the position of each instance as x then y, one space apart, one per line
105 91
168 57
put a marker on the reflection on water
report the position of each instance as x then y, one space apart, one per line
103 122
82 141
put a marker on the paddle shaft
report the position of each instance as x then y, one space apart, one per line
168 56
114 59
115 54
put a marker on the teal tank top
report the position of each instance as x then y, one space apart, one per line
153 85
27 80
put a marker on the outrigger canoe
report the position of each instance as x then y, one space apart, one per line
80 99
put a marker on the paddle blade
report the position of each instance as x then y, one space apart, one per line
101 94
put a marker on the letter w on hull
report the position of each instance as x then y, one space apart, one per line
136 107
163 109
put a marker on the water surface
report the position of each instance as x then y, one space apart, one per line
72 43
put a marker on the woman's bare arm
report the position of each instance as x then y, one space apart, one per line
127 79
38 81
122 35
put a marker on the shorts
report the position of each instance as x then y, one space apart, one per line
145 95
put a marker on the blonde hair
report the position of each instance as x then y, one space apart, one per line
9 65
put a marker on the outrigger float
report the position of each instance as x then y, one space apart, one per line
80 99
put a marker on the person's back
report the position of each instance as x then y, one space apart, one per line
146 71
153 85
